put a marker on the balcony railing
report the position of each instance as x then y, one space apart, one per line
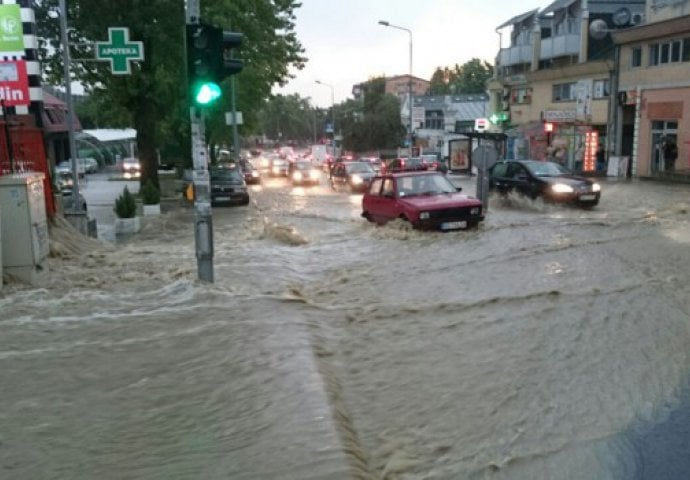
516 55
560 46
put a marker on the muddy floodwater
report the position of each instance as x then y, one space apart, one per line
550 343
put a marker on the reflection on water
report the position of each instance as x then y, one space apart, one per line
548 343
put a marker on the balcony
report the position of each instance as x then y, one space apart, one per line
516 55
560 46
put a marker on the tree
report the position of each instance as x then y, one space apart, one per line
371 123
440 80
288 117
471 76
155 93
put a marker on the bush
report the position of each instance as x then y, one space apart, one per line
125 205
150 195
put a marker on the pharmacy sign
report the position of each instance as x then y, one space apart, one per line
119 51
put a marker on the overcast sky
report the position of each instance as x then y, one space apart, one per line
345 44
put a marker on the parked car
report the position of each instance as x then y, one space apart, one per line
304 173
354 176
548 180
428 200
228 186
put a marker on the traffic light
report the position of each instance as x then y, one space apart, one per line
210 60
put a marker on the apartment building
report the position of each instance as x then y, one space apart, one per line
553 79
652 108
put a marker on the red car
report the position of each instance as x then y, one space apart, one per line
428 200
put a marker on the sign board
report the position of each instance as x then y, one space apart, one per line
458 151
583 99
11 31
229 119
119 51
560 115
618 166
481 124
14 83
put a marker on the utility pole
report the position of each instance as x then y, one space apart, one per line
203 220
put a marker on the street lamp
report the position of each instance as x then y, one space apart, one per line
332 110
409 83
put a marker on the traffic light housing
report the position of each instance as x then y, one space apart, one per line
210 61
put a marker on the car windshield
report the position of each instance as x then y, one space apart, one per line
225 174
359 167
418 185
546 169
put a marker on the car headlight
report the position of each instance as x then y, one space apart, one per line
475 211
314 174
356 179
297 176
276 170
561 188
255 174
424 215
596 187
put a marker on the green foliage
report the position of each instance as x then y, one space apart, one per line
470 77
150 195
291 117
154 96
125 205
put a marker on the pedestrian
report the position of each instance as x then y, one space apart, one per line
669 151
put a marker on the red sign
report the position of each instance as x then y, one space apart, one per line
591 145
14 83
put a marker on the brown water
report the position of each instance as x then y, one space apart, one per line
549 343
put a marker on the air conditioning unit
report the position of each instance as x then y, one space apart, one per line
637 19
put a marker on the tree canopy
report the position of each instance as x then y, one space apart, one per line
155 94
470 77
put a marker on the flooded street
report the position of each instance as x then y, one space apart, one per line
549 343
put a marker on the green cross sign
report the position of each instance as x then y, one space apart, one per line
119 51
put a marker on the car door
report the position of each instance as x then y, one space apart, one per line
373 202
521 180
498 178
387 206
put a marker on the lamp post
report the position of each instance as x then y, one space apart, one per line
409 83
332 110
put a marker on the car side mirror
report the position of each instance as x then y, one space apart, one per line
458 189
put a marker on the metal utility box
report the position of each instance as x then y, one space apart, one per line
24 228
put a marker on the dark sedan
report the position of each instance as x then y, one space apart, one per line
354 176
548 180
228 186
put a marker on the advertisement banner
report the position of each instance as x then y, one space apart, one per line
14 83
583 95
459 154
11 31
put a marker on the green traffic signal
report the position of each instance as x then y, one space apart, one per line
206 93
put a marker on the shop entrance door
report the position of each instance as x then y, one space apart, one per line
661 129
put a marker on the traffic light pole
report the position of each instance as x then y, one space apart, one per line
203 220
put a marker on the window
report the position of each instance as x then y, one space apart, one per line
521 95
375 187
564 92
637 57
673 51
434 120
601 88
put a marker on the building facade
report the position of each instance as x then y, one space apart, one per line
553 80
652 114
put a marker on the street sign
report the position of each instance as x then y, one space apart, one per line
481 124
119 51
11 31
238 118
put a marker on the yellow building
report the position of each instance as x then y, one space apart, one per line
653 93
